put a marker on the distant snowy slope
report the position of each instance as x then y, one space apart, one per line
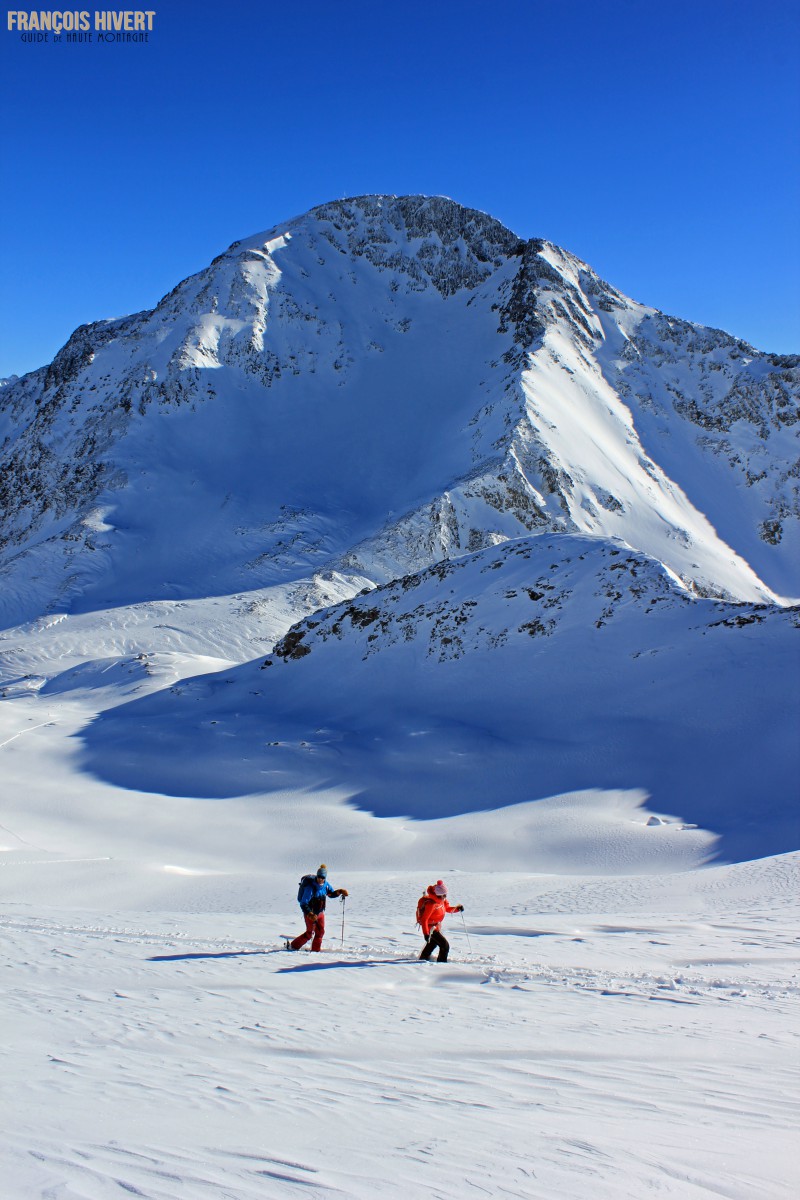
735 447
548 665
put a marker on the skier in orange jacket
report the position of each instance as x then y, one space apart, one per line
431 911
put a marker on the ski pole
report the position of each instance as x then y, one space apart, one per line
469 943
344 898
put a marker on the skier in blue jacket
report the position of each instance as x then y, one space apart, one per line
314 890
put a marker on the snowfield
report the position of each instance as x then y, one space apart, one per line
615 1037
596 1032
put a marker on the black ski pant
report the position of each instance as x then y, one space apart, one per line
435 940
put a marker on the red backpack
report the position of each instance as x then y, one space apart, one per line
423 904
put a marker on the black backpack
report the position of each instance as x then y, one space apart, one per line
316 904
306 881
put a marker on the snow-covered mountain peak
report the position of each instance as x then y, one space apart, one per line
377 385
436 231
433 240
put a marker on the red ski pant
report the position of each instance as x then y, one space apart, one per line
314 929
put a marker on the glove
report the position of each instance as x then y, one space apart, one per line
342 892
460 908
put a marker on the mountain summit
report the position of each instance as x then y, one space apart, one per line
379 384
354 398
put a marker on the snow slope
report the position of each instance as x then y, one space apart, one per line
611 1018
548 665
595 1030
624 1036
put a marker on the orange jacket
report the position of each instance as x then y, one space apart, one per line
433 911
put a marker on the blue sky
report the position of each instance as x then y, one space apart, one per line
658 142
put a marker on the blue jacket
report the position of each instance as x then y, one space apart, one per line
312 896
